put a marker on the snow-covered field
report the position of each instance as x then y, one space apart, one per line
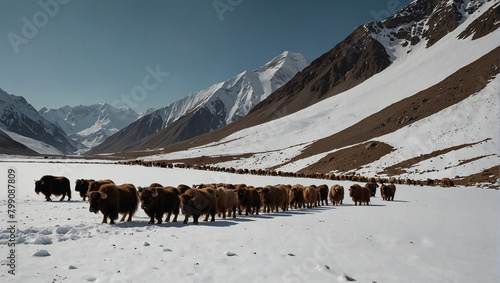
428 234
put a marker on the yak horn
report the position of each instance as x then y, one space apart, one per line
155 193
103 195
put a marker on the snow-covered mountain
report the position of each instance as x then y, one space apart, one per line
22 123
415 95
90 125
210 108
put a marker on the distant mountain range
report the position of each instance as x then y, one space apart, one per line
90 125
207 109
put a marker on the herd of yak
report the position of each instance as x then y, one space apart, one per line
205 199
445 182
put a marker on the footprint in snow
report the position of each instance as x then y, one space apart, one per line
228 253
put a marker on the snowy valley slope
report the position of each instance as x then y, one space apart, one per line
453 59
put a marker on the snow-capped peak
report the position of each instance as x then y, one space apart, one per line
235 97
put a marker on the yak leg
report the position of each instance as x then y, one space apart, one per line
185 220
175 216
104 219
168 216
213 215
123 217
195 219
158 217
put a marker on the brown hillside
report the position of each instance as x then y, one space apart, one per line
453 89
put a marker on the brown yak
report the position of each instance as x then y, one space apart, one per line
310 196
373 188
196 202
248 200
156 201
323 194
336 194
388 191
51 185
360 194
296 196
111 200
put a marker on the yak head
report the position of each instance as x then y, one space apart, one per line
148 198
242 194
82 185
187 204
296 192
266 194
352 190
39 186
95 201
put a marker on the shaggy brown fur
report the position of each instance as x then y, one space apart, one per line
336 194
373 188
360 194
157 201
310 196
196 202
95 185
51 185
323 194
296 196
248 200
226 202
388 191
111 200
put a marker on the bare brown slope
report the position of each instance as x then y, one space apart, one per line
455 88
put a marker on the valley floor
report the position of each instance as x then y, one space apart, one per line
427 234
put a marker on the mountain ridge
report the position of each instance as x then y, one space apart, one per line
210 108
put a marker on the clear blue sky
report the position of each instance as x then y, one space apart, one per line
85 52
